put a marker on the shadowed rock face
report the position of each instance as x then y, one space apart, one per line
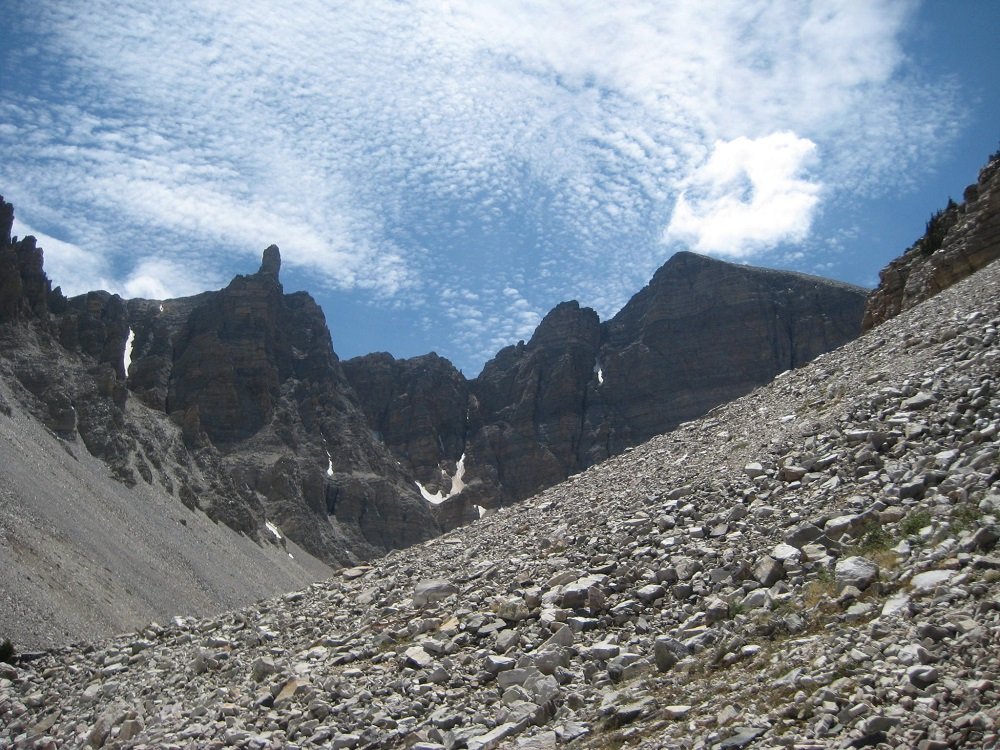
229 359
701 333
24 288
960 240
417 406
251 371
704 332
531 402
263 425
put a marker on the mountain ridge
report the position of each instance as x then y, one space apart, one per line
306 464
581 389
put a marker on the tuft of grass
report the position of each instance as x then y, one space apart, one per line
914 522
964 517
6 652
820 591
886 559
872 539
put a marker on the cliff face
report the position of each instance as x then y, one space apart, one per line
531 400
701 333
960 239
417 406
704 332
241 408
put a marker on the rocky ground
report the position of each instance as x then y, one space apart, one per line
810 566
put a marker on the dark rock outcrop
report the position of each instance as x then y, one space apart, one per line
418 407
531 402
25 290
251 372
704 332
701 333
960 239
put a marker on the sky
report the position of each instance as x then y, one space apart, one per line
439 175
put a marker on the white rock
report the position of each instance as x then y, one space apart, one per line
856 571
930 580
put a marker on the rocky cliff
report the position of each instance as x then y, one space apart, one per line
960 239
417 406
701 333
240 405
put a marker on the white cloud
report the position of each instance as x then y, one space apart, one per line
159 278
748 195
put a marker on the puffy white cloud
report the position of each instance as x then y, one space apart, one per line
159 278
748 195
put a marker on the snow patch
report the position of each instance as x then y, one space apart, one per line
129 343
457 485
273 529
599 372
329 464
161 308
437 497
481 509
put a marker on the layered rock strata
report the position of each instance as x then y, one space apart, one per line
701 333
270 431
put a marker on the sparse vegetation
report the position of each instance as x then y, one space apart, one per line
937 227
6 651
914 522
874 538
820 590
964 517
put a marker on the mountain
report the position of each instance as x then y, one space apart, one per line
158 417
234 403
701 333
812 565
274 429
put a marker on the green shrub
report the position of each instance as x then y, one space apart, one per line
964 517
6 651
874 538
914 522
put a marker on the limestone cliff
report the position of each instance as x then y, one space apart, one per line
700 333
960 239
241 408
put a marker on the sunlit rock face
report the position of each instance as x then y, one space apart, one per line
960 239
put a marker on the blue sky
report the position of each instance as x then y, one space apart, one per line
441 174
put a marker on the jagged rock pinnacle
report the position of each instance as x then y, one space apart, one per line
271 262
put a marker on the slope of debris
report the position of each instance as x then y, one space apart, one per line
810 566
